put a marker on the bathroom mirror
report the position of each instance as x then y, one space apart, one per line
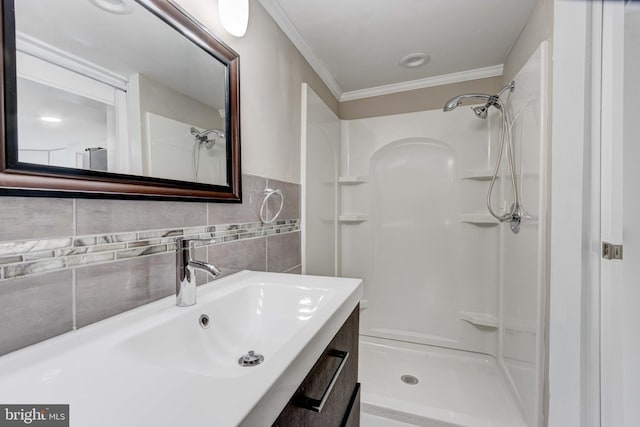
117 99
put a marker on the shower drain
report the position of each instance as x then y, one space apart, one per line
409 379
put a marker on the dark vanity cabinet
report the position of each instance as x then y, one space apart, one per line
330 394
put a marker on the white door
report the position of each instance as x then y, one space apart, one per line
620 215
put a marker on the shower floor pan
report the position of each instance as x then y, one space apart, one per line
454 388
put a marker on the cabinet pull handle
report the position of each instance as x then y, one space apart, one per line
316 405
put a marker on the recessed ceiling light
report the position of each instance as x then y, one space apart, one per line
119 7
414 60
50 119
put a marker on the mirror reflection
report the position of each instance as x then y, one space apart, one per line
108 86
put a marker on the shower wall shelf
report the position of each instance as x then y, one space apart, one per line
479 219
353 180
478 175
479 319
353 218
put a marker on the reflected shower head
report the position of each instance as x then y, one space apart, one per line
203 137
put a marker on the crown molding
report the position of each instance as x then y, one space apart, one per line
274 9
39 49
478 73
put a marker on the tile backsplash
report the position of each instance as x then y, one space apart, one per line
22 258
67 263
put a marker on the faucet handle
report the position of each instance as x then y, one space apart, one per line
187 243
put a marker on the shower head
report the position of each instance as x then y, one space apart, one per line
455 101
203 137
481 111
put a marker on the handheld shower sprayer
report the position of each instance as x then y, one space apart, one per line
514 216
457 100
480 111
203 137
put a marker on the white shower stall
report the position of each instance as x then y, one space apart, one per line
452 319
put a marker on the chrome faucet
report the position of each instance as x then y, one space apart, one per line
186 272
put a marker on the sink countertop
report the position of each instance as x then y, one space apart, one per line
108 381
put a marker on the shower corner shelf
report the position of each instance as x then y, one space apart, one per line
478 175
353 180
479 319
353 218
479 219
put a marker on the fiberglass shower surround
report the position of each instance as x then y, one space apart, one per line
514 215
444 280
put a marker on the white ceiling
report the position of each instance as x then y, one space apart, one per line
358 43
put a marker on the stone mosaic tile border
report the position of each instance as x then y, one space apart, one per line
23 258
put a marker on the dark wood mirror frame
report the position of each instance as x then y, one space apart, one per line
25 179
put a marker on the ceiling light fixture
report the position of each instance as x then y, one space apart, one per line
50 119
234 16
119 7
414 60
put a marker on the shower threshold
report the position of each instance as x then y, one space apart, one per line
405 384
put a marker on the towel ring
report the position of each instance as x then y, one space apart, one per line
268 192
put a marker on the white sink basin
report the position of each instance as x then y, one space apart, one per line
156 365
262 317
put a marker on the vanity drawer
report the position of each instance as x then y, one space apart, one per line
327 394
